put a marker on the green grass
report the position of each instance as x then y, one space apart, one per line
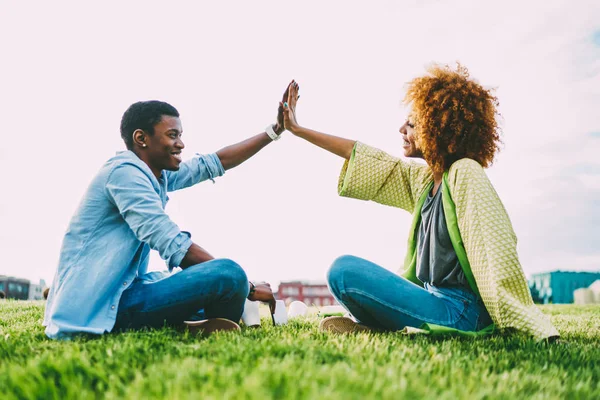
297 361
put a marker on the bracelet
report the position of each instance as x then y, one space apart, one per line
269 130
252 289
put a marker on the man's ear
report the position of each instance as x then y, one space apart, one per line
139 138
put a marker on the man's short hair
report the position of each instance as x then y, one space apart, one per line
144 115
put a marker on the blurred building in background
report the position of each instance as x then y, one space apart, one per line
21 289
557 287
14 288
311 293
36 291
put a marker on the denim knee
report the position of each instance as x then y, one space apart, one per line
233 276
340 267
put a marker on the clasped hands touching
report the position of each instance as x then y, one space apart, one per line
286 114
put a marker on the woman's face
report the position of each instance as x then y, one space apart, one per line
410 147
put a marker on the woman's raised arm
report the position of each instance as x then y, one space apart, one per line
334 144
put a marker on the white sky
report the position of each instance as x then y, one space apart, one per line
69 71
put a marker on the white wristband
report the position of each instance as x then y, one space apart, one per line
269 130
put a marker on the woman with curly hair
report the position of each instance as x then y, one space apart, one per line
461 274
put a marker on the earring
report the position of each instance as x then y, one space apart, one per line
144 145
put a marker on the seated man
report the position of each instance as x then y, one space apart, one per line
102 283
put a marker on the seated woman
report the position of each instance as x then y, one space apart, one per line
462 270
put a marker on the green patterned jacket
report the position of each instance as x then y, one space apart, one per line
479 227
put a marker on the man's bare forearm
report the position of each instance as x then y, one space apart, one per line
195 255
234 155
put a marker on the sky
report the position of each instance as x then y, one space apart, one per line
69 70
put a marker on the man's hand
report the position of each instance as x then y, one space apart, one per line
263 292
289 107
279 127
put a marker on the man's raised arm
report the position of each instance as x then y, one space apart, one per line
235 154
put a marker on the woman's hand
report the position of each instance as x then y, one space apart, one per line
289 107
263 292
337 145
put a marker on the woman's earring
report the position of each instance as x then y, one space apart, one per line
144 145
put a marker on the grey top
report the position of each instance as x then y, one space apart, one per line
437 263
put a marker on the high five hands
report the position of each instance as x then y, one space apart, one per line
288 105
279 126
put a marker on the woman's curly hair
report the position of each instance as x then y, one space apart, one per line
454 117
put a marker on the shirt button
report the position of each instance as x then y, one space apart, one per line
112 307
124 283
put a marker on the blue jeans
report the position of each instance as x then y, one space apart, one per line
218 287
381 299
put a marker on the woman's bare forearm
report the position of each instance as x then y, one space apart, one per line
334 144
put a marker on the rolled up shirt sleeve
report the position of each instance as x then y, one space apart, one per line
200 168
132 192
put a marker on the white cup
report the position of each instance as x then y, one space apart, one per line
251 316
297 309
280 315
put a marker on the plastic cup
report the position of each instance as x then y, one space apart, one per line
251 316
297 309
280 316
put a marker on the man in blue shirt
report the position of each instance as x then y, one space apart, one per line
102 283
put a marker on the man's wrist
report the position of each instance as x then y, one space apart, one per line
270 131
252 290
278 128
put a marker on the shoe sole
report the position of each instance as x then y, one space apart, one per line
209 326
341 325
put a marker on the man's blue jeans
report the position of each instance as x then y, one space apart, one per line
219 287
381 299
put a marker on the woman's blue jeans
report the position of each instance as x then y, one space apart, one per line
381 299
218 287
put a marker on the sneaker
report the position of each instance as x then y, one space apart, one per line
208 326
342 325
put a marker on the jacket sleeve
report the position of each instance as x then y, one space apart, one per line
491 246
131 191
372 174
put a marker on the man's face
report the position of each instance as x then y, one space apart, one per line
165 146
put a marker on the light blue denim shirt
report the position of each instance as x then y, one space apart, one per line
120 218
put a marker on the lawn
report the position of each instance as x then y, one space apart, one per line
297 361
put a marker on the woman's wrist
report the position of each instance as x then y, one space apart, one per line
296 130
